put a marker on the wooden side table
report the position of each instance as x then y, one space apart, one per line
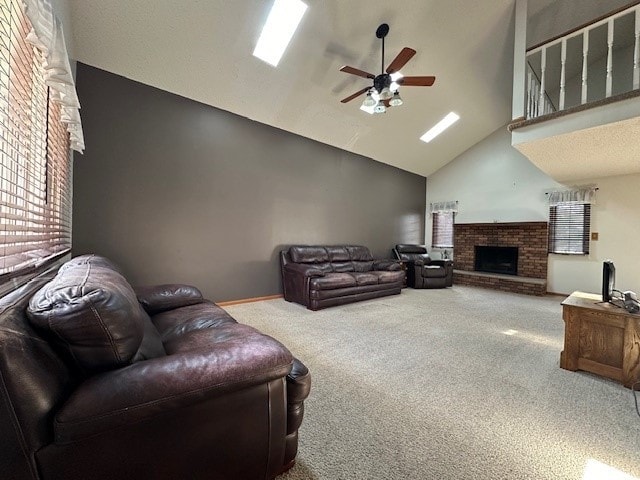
600 338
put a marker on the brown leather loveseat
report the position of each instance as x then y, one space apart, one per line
98 381
323 276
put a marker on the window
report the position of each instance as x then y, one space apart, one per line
442 229
569 228
35 165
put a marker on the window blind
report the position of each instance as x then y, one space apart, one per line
442 233
35 192
569 228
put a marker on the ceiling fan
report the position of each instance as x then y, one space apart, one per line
380 95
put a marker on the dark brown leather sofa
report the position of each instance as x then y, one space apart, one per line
324 276
422 271
100 382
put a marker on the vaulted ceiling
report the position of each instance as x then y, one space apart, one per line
202 49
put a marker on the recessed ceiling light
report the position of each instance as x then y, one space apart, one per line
280 26
440 127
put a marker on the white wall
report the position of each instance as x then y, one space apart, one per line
550 18
493 182
616 218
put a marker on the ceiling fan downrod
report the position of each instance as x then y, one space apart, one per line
382 32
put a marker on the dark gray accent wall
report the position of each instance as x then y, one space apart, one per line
176 191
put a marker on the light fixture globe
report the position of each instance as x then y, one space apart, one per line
369 101
385 93
396 101
380 108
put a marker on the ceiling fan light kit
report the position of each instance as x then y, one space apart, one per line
369 101
396 101
384 92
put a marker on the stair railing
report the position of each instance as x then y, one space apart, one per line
539 103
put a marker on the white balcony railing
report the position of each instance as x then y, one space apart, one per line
588 64
538 101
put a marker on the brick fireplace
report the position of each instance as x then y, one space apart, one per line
530 239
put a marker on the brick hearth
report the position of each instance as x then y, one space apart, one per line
529 237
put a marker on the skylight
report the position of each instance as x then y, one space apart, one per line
440 127
280 26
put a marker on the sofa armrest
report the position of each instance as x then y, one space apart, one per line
302 269
145 389
157 298
298 387
389 265
296 278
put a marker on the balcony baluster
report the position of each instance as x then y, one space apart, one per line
609 86
636 53
585 65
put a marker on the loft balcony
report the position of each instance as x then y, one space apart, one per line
580 115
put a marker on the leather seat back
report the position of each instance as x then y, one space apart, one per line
411 253
35 379
333 258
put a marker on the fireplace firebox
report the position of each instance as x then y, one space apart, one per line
496 259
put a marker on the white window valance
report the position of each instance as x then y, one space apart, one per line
47 36
444 207
579 194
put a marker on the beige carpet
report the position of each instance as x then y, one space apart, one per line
461 383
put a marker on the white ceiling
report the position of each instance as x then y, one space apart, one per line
202 49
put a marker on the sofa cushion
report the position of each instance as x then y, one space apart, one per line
353 291
207 338
175 323
308 254
89 259
338 254
151 346
363 266
93 313
332 280
359 253
389 276
342 267
323 267
365 278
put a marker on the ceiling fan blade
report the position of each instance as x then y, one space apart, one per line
357 94
416 81
401 60
355 71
